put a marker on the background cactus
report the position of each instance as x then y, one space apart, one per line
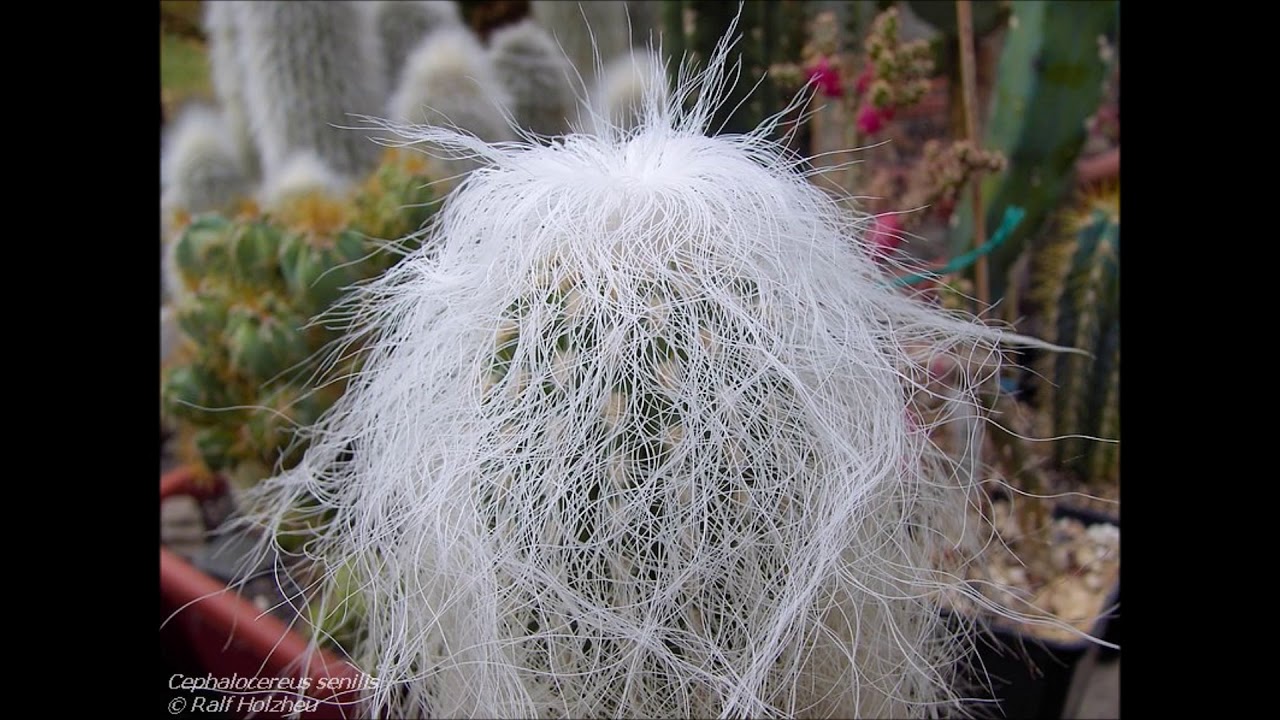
620 94
536 76
200 170
221 24
310 67
615 26
450 80
242 381
1075 298
772 33
402 25
1049 83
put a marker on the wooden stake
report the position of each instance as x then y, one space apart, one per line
969 83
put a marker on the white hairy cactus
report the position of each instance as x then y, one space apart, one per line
402 25
310 68
636 441
449 80
221 23
199 168
536 75
304 173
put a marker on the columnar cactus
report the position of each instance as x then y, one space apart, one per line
239 386
1075 291
637 442
536 76
450 80
592 32
402 25
1050 82
221 22
310 67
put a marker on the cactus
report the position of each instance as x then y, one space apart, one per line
1049 83
221 23
637 442
402 25
536 76
199 169
238 386
310 68
450 80
591 32
772 33
1075 292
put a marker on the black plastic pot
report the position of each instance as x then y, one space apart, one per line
1031 677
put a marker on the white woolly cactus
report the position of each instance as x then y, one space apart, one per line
595 29
636 441
403 24
536 75
304 173
310 67
620 94
199 168
449 80
221 23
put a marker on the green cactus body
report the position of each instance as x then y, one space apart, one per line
1049 83
1077 291
254 284
772 32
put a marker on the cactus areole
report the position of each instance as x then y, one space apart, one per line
635 442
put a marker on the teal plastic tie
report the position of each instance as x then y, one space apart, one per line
1012 216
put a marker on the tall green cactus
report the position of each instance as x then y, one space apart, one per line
1050 80
252 284
772 32
1076 296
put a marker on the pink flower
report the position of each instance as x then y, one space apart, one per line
885 234
864 81
826 77
871 120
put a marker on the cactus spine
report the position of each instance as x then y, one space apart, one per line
536 76
1076 290
1050 82
309 67
402 25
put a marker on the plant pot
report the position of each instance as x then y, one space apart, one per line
1030 676
210 634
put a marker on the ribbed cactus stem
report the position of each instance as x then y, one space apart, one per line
221 22
310 68
402 25
1076 287
450 80
536 76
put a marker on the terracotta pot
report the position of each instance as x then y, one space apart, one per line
218 637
